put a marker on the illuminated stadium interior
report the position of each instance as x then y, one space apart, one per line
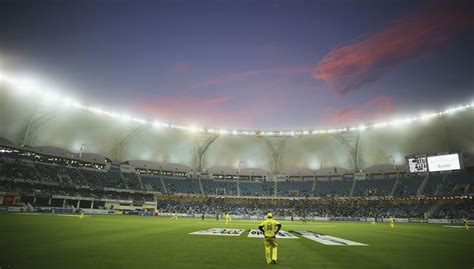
145 125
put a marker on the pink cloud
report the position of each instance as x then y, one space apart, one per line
249 74
348 68
372 109
206 112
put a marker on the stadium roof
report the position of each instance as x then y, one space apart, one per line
33 88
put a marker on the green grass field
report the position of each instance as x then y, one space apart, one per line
31 241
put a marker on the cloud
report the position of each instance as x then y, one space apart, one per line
249 74
348 68
206 112
372 109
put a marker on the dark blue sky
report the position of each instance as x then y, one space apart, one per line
248 64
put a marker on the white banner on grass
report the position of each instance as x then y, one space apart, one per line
327 239
220 231
281 234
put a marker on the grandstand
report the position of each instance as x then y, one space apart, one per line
64 156
53 182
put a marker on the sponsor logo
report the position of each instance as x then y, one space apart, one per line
220 231
327 239
457 226
281 234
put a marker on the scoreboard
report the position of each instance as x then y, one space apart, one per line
446 162
417 164
433 163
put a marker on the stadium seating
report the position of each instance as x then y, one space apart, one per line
257 188
408 186
112 179
336 188
295 188
373 187
186 185
152 183
38 181
457 184
219 187
455 211
132 181
432 185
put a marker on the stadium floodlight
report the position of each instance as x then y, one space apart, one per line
453 110
97 111
157 124
50 96
113 115
427 116
76 105
68 102
362 127
380 124
396 122
5 78
30 85
25 85
193 129
125 117
138 120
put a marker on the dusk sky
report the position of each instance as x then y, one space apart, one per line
248 64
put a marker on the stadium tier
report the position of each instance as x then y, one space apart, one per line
40 180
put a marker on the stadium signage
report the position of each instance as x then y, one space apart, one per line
281 234
360 176
327 239
220 231
434 163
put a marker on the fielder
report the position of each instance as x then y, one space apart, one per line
270 228
392 222
227 218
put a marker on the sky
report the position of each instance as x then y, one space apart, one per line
260 65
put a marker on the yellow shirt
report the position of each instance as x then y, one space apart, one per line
270 227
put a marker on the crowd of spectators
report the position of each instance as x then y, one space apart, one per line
302 209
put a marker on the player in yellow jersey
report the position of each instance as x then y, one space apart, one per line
466 224
392 222
227 218
81 216
270 228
